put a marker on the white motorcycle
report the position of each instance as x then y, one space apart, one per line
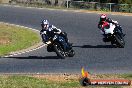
113 35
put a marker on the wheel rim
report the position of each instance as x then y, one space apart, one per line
60 50
120 41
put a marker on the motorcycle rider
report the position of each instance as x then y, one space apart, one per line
103 18
49 30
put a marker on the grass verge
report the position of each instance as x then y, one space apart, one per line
31 82
54 81
14 38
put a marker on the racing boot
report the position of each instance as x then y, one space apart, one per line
105 39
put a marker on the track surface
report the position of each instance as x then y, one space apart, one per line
91 53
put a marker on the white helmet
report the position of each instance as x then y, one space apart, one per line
44 22
103 17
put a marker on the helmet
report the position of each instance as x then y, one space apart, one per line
103 17
45 23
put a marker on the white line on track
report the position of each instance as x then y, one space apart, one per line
30 50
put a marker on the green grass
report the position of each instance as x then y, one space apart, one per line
19 81
126 76
30 82
14 38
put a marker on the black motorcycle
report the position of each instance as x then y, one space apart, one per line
60 46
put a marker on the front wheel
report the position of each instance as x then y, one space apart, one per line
120 41
59 51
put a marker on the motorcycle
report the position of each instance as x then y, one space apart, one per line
113 35
60 46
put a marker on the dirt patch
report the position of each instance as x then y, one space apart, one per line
4 40
59 77
66 76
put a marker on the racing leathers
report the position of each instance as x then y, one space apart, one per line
49 32
100 26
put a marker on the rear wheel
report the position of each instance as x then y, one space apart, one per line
50 48
71 53
113 43
59 51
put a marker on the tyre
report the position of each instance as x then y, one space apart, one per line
59 51
71 53
114 44
50 48
120 41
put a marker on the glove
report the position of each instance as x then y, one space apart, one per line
57 32
44 32
116 23
49 42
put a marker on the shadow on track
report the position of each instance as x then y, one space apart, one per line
97 46
36 57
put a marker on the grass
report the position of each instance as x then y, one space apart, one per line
14 38
31 82
127 76
19 81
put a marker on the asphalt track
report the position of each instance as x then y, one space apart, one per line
91 53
